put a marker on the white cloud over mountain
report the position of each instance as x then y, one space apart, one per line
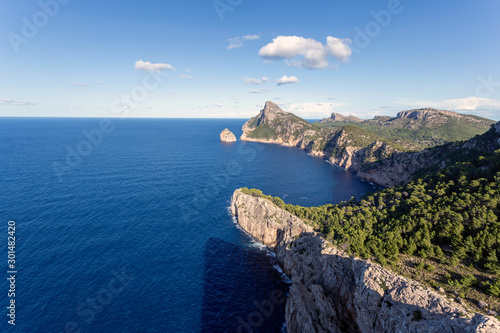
458 104
314 110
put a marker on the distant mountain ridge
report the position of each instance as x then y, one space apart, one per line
376 158
418 128
338 117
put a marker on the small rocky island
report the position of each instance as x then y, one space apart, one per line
227 136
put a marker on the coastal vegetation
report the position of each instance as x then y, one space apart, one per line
442 229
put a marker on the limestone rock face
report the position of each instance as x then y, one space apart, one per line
334 292
227 136
271 225
434 116
281 127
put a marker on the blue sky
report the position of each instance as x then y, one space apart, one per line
225 58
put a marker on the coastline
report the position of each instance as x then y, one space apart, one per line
331 288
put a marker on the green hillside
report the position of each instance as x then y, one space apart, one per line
442 229
417 134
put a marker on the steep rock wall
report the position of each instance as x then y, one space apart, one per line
334 292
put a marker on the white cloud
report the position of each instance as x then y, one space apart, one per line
6 101
149 67
258 91
458 104
472 103
241 114
339 48
79 84
306 52
251 37
258 82
234 43
239 41
286 79
187 77
222 115
218 105
314 110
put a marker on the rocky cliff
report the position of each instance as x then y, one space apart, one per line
346 146
372 157
401 167
273 125
334 292
227 136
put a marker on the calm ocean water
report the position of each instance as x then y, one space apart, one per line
134 235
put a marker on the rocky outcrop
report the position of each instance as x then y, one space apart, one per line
277 227
273 125
335 292
436 117
341 118
421 113
227 136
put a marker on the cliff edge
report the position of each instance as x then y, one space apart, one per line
335 292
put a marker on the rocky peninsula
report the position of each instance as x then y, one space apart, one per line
335 292
373 158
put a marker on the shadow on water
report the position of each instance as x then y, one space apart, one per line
242 292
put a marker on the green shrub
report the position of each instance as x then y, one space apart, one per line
430 268
493 288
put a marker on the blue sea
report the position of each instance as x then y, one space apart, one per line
123 225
